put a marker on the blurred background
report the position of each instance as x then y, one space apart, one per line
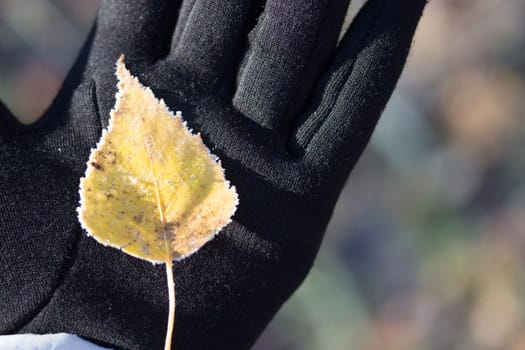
426 249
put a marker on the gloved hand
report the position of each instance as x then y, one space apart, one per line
286 111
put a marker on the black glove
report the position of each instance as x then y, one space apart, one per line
287 113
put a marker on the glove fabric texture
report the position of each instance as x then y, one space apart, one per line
286 107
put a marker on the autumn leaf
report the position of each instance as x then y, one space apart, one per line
152 188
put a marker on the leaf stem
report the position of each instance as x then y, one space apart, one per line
171 315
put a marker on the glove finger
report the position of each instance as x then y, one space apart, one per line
211 32
325 45
279 49
140 29
357 85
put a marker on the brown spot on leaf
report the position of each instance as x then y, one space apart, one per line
169 229
138 218
97 166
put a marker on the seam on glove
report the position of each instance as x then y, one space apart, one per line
96 107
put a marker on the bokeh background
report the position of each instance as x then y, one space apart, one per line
426 249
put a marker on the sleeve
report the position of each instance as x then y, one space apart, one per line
59 341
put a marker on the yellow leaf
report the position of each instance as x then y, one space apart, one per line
152 188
